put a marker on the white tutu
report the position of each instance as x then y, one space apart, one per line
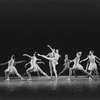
33 68
78 66
92 66
55 62
11 69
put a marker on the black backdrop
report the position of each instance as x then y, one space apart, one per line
29 25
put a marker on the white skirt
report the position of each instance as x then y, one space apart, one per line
77 66
33 68
92 66
11 69
54 62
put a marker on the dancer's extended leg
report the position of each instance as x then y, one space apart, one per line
54 69
42 72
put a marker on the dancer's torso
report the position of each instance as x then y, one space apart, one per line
33 62
76 60
91 58
11 64
57 56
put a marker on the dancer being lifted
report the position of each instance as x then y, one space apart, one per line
56 56
77 66
92 66
67 66
11 68
54 61
34 66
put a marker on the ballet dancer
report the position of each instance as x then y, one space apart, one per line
77 66
94 72
67 66
51 54
54 63
11 68
57 55
54 53
34 66
92 67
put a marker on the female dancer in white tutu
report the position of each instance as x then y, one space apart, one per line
77 66
11 68
92 67
34 66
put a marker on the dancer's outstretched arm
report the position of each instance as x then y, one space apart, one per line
40 62
27 55
98 62
26 64
48 55
72 60
18 62
83 60
50 47
38 59
4 63
97 58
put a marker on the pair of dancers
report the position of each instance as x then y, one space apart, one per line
92 67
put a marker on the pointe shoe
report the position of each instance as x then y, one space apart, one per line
68 79
90 78
29 79
7 79
22 79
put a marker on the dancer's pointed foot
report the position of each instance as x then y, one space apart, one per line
29 79
8 79
22 79
90 78
68 79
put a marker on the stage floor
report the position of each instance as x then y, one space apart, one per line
80 88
